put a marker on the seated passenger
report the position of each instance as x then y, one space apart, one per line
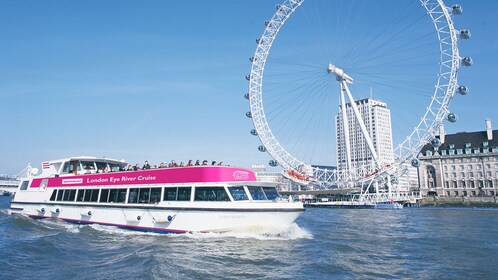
220 163
204 162
162 165
88 170
213 162
129 168
181 164
190 163
197 163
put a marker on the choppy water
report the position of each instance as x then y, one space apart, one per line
324 244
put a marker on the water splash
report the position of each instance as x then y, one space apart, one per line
260 233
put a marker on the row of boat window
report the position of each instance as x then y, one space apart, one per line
153 195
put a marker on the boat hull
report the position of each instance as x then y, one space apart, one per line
171 219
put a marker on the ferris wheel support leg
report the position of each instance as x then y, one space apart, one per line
361 123
345 129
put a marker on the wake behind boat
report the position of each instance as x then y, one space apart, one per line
168 200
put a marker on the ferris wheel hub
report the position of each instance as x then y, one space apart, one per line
339 74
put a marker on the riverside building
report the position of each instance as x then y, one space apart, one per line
377 119
466 164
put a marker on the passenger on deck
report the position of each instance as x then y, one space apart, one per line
146 165
220 163
213 162
106 170
88 170
190 163
136 167
129 168
197 163
204 162
181 164
162 165
173 164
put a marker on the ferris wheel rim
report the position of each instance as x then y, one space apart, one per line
436 112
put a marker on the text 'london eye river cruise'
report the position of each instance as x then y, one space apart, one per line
166 200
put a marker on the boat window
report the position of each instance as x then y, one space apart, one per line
101 165
52 197
95 195
170 194
155 195
238 193
271 193
59 195
116 195
257 193
144 195
211 194
80 195
114 167
133 197
24 185
71 166
69 195
88 165
184 193
104 195
91 195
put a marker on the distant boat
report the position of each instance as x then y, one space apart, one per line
388 205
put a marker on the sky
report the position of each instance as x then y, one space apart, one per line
162 80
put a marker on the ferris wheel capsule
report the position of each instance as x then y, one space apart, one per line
262 148
249 115
273 163
415 162
254 132
248 77
456 9
467 61
463 90
436 143
246 96
452 117
465 34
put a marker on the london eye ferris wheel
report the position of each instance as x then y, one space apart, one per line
317 60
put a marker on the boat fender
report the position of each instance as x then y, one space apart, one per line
170 218
138 218
55 211
41 210
89 213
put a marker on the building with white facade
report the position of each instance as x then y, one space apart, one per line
466 164
377 119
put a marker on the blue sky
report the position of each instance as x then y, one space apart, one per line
161 80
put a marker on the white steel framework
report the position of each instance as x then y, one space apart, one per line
437 110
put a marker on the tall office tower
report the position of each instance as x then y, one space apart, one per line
377 119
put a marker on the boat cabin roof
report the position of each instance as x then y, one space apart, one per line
80 165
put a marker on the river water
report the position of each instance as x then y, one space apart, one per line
418 243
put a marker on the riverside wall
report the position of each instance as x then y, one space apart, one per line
465 201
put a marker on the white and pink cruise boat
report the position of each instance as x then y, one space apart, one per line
168 200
